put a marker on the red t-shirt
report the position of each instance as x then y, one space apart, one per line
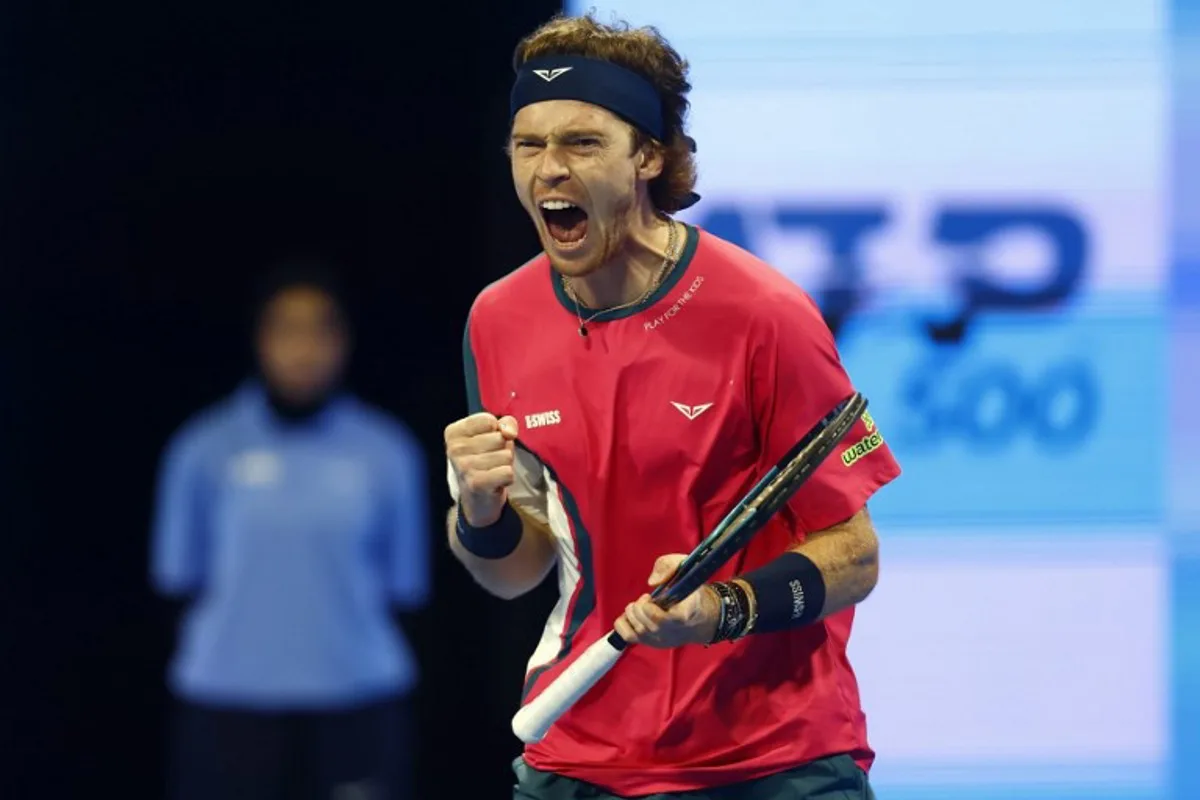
635 441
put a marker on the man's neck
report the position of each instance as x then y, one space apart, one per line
632 272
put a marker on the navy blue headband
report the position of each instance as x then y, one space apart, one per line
601 83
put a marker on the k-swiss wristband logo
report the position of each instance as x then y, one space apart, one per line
797 598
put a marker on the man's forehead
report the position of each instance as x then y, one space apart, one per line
554 116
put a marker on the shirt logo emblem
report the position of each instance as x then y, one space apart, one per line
691 412
542 419
550 74
866 445
256 468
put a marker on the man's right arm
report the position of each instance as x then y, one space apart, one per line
520 571
508 554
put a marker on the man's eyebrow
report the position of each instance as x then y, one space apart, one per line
582 133
571 133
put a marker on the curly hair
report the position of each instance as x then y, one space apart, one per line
642 50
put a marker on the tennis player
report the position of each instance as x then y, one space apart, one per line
626 387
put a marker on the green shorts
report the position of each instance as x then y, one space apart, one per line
832 778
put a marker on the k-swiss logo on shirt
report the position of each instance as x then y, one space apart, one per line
542 419
691 412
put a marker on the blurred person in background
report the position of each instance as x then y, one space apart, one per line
292 522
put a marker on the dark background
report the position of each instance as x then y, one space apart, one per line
154 158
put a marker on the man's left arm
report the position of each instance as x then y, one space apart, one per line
797 377
832 570
833 564
847 556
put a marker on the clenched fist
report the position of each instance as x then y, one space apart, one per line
481 451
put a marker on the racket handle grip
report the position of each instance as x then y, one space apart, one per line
534 719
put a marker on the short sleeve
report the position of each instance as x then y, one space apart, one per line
179 537
797 378
470 372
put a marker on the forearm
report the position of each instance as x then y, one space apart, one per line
847 556
515 574
830 571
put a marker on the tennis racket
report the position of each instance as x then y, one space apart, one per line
733 532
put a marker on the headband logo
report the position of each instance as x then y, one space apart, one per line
550 74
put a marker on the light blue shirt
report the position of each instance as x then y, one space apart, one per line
296 540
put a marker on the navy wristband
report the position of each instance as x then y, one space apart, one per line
491 541
790 592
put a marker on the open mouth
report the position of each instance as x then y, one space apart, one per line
566 222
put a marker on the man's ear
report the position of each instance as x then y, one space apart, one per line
650 161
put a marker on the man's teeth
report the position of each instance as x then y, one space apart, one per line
557 205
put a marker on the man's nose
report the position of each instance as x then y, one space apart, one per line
552 168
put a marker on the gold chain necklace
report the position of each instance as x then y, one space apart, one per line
669 261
